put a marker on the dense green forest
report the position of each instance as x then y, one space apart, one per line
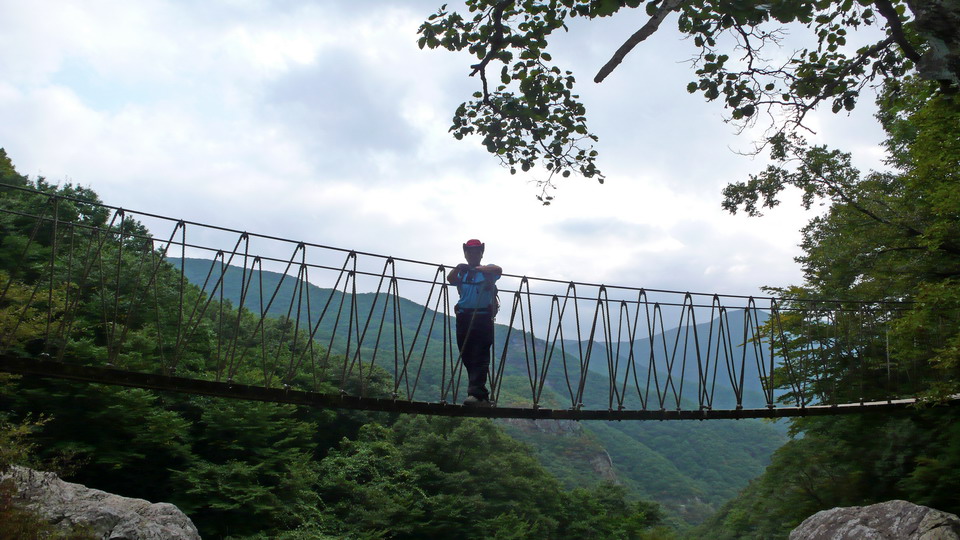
886 235
247 469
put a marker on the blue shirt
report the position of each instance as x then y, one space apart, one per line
477 289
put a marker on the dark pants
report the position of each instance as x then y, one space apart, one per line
474 338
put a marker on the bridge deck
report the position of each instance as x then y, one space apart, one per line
61 370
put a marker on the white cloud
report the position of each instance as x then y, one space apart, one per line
324 123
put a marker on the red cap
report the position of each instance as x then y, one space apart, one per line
473 242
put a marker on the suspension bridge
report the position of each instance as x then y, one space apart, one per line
96 293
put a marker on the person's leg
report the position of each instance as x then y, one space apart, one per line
474 337
478 365
465 345
463 326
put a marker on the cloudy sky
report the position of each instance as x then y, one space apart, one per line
323 122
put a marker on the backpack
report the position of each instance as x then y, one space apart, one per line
488 286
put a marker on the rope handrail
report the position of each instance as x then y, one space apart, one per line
427 263
881 305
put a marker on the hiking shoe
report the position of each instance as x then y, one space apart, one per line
474 401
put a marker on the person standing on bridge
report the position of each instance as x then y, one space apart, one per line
475 311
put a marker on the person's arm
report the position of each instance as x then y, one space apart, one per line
491 269
453 277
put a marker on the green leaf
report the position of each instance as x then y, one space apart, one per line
604 8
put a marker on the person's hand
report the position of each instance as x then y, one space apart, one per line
463 267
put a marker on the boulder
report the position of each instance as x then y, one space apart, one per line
111 517
891 520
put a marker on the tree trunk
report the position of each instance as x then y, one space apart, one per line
938 22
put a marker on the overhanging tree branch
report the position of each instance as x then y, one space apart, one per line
535 102
643 33
496 40
896 29
840 78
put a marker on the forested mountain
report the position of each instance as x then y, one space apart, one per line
691 467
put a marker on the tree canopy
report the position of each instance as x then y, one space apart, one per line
527 112
884 235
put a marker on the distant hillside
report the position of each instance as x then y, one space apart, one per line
690 467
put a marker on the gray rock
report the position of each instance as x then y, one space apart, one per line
603 465
891 520
109 516
601 462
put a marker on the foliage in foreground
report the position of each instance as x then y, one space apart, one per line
17 448
252 470
446 478
893 235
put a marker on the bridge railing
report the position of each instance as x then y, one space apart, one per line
118 292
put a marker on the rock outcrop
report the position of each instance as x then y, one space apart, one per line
108 516
591 454
891 520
